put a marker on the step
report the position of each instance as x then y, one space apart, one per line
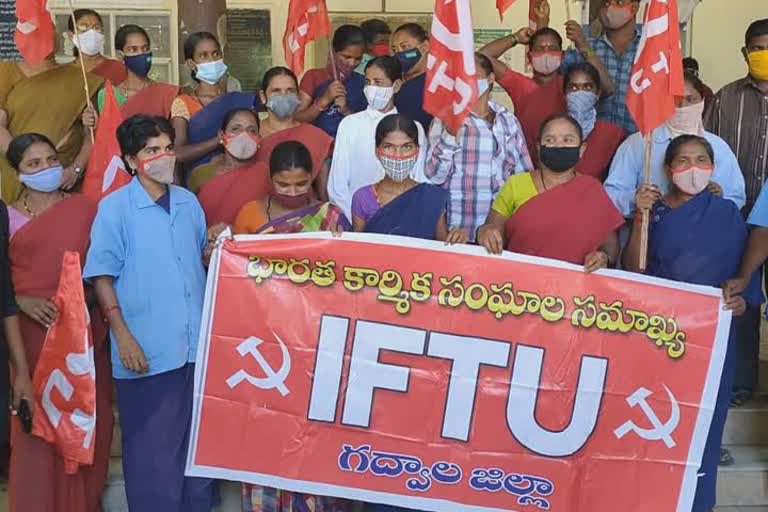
744 483
748 424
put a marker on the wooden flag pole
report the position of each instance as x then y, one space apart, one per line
646 214
333 61
82 66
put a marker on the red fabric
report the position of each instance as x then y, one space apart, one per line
223 196
316 140
534 108
518 86
111 70
503 6
35 31
38 479
155 100
657 76
565 223
451 87
307 21
106 169
313 78
65 376
602 144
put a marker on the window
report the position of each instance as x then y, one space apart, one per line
156 23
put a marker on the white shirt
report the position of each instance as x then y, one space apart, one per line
355 164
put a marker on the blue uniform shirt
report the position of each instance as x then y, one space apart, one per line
155 258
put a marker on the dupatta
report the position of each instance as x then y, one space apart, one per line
415 213
223 196
154 100
316 140
565 223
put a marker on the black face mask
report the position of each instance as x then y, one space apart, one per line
559 159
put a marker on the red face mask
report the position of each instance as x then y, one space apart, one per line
381 50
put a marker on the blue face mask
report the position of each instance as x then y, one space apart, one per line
46 180
211 72
139 64
408 58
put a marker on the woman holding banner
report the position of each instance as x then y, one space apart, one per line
398 205
44 224
290 206
280 94
555 212
697 237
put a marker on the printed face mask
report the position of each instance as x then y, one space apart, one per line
139 64
398 168
546 63
378 97
581 106
559 159
160 168
408 58
242 146
46 180
283 105
211 72
692 179
90 42
615 16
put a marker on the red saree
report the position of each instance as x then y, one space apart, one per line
38 481
565 223
155 100
316 140
602 144
223 196
112 70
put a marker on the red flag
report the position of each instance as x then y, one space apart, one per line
504 5
106 169
451 75
307 21
65 376
34 30
657 76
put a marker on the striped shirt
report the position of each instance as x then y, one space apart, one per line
739 115
475 168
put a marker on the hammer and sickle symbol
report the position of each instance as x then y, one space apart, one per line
274 379
660 431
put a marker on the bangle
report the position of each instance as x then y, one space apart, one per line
109 309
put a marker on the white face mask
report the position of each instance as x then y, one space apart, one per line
90 42
242 146
482 86
687 120
378 97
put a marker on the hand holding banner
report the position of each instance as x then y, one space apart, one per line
371 368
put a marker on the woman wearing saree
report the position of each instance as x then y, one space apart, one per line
398 205
239 135
22 86
45 223
197 113
89 46
280 94
699 238
555 212
290 206
137 93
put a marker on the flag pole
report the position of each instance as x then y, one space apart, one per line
646 213
82 65
333 61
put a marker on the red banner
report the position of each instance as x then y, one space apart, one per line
65 375
441 378
35 32
451 72
307 21
657 76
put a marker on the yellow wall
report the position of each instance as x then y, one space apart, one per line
718 35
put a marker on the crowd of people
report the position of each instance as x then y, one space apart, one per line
349 147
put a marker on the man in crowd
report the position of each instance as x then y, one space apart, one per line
739 114
410 44
475 163
376 34
146 263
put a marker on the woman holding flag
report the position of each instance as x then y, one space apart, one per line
44 224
